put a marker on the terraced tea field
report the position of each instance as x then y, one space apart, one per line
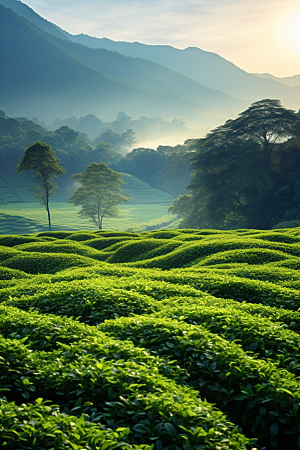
22 212
170 339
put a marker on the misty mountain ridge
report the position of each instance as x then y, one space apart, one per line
29 14
102 77
289 81
204 67
29 85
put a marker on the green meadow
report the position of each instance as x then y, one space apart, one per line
22 212
167 339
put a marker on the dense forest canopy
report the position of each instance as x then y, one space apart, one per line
246 172
167 168
145 128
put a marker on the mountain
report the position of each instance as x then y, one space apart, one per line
289 81
47 76
39 77
204 67
25 11
154 77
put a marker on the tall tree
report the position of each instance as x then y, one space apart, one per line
45 165
265 121
99 194
241 169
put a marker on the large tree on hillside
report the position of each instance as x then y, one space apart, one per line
241 169
99 193
45 165
265 121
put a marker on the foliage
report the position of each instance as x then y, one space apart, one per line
45 165
265 121
121 143
99 193
167 324
170 167
221 371
245 172
41 425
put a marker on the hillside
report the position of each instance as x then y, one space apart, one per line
170 337
21 211
155 77
31 80
204 67
201 69
25 11
94 81
289 81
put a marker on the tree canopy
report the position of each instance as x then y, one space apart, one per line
99 194
45 165
265 121
245 173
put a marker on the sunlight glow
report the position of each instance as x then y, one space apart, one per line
290 30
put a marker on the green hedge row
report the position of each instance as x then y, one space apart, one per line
91 302
36 263
41 426
266 272
261 336
48 332
121 393
257 395
64 246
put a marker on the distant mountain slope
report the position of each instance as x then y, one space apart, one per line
204 67
25 11
152 76
31 80
289 81
40 77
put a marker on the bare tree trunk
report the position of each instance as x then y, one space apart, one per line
48 211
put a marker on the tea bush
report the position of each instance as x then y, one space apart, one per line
120 393
62 247
35 262
224 374
41 425
167 324
261 336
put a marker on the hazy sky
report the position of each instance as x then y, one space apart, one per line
256 35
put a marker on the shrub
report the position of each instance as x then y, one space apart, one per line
224 374
46 263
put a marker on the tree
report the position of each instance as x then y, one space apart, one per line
146 164
181 205
265 121
105 153
45 165
244 172
99 193
120 142
177 172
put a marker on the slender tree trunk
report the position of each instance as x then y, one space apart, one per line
48 211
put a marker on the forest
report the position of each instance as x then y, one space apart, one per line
76 150
243 174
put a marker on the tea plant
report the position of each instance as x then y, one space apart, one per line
168 339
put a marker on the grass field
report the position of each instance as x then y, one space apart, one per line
23 213
167 339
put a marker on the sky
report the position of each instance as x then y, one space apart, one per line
260 36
